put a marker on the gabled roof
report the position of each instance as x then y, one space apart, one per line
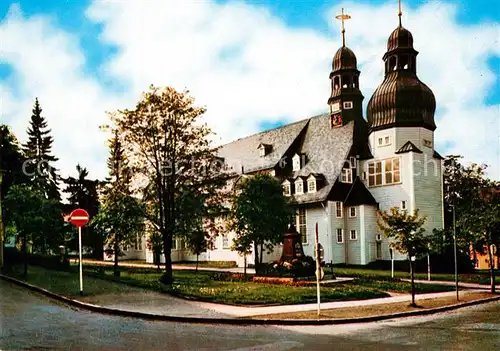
244 152
359 195
326 149
408 147
437 155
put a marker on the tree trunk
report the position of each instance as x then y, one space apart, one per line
412 272
256 254
197 260
245 265
115 249
167 277
261 252
492 270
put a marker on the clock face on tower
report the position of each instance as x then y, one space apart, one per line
336 120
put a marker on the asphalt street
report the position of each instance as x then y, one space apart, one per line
31 321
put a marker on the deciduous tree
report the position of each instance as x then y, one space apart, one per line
169 146
260 215
407 236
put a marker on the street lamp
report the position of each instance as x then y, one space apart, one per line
453 163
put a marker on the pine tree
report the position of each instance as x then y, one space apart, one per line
121 216
38 150
83 193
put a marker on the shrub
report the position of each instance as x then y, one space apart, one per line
230 277
12 257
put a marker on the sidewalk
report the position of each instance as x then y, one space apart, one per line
163 304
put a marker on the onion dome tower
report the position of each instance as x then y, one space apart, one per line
346 99
402 100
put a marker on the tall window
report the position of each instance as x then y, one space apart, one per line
391 167
299 187
338 209
352 211
296 163
379 250
287 189
403 205
375 173
354 235
346 175
301 224
225 241
311 185
340 235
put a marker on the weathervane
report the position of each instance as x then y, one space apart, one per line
342 17
400 13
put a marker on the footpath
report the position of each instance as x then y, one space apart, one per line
162 304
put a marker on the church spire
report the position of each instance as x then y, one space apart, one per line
342 17
400 13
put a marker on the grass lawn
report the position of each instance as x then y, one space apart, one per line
200 286
67 283
402 286
376 310
189 284
480 278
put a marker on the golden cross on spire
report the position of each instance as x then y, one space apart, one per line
400 12
342 17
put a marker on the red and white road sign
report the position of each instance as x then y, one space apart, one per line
79 217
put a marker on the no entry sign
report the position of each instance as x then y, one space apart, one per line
79 217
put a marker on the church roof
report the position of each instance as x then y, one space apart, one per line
325 150
244 152
408 147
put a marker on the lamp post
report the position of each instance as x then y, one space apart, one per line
453 163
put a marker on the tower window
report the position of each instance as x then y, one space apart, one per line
403 205
336 82
393 61
346 175
340 235
347 105
354 235
404 62
338 209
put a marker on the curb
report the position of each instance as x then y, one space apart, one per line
239 321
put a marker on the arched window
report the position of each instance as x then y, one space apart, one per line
336 82
404 61
346 82
393 61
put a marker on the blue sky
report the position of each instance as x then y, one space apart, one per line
89 57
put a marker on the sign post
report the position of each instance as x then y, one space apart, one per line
79 218
319 271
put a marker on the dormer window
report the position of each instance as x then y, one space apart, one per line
346 175
297 162
287 188
299 186
264 149
311 184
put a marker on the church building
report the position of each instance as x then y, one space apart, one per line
339 168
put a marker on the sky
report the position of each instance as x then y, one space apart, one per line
255 65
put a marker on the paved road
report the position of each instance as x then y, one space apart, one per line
31 321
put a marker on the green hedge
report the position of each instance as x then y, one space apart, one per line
13 256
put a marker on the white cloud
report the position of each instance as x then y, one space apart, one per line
245 64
